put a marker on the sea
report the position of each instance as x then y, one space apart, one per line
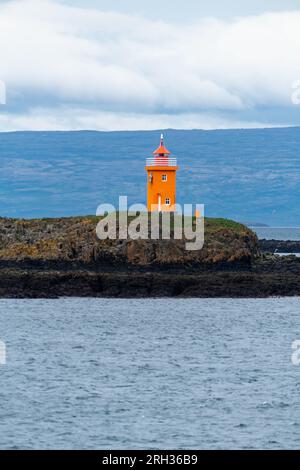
150 374
278 233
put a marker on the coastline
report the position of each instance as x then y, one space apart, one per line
267 276
52 258
55 284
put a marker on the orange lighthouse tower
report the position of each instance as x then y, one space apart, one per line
161 180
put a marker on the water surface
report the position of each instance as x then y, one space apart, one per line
196 373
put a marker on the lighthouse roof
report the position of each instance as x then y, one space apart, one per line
161 149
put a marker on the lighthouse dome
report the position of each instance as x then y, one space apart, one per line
161 150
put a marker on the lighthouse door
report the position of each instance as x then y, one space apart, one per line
159 203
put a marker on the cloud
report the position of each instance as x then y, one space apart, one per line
2 92
121 68
67 118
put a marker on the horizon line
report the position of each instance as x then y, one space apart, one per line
156 130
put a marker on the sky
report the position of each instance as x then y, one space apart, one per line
188 11
126 65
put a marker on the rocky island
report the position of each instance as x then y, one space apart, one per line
63 257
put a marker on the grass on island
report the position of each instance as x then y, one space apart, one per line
212 225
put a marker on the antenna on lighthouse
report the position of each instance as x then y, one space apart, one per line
161 139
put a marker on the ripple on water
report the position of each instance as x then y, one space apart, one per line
158 373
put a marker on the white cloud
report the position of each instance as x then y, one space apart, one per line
57 60
2 92
66 118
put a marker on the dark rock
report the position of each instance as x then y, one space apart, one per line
63 257
281 246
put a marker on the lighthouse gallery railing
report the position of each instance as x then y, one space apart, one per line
161 161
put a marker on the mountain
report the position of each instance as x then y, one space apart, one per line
250 174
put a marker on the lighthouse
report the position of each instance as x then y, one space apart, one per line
161 180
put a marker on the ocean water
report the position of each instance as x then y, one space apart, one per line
249 175
288 254
154 374
278 233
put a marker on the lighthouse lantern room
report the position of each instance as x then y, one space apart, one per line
161 180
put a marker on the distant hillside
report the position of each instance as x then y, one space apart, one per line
255 224
237 174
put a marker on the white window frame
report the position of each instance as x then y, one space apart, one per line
168 201
164 178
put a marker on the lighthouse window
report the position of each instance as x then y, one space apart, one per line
164 177
168 202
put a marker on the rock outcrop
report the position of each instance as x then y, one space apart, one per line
280 246
74 241
63 257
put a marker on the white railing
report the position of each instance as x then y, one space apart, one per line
161 161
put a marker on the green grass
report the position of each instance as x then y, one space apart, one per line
212 225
